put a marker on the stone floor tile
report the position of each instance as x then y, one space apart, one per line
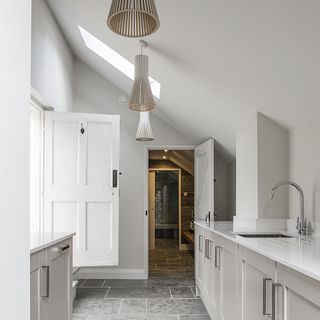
91 292
93 283
149 292
123 283
133 306
181 292
175 306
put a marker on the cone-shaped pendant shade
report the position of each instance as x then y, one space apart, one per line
133 18
144 132
141 95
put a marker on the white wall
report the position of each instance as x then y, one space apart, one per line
231 191
273 167
262 161
52 60
220 188
247 169
305 166
15 34
94 94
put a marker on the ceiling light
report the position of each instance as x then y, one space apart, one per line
115 59
144 132
133 18
141 95
164 157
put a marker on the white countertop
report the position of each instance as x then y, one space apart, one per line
300 254
40 241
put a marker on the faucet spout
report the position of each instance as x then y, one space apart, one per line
301 221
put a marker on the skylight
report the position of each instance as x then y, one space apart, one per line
115 59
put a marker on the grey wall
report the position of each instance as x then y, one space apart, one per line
15 35
94 94
305 165
52 60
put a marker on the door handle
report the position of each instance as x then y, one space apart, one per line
216 250
264 297
44 286
114 178
274 287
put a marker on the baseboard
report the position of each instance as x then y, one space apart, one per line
101 273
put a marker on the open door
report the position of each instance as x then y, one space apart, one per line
152 210
81 189
204 180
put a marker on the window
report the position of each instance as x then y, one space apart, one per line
35 167
115 59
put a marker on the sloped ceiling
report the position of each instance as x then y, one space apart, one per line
218 61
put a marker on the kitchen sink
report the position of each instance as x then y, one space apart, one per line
263 235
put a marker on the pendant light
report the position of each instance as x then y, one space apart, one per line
133 18
144 132
141 98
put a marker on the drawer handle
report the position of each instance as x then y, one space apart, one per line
264 295
200 243
216 255
62 248
45 285
274 287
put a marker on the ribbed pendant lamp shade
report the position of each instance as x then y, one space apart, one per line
133 18
141 95
144 132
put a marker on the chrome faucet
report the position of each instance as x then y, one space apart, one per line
301 221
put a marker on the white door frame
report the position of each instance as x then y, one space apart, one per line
147 148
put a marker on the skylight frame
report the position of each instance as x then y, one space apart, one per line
115 59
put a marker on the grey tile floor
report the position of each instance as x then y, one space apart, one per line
168 294
156 299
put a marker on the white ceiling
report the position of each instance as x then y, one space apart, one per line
218 61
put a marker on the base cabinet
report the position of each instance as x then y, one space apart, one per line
236 283
51 283
301 297
257 273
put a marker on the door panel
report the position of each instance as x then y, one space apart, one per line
302 299
65 168
99 168
99 226
152 210
254 268
81 153
204 179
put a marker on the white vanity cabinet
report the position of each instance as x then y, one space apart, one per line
199 256
256 276
51 282
301 297
226 275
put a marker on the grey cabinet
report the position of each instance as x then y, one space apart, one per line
51 282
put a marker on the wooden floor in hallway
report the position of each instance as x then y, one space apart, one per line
168 294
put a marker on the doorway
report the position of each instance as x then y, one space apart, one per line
170 206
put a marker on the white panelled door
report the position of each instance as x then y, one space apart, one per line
204 179
81 191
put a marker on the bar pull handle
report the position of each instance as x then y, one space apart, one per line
62 248
200 242
274 287
264 296
45 284
216 255
114 178
209 249
206 248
